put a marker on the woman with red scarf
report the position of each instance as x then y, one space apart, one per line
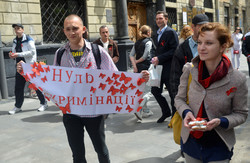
217 94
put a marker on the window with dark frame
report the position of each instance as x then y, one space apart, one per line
208 4
53 14
172 16
226 16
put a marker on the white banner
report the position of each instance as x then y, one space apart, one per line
87 92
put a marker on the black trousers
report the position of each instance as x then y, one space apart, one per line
19 91
157 92
74 126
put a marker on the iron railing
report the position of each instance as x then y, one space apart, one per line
53 13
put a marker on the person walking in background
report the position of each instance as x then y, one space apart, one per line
140 57
166 43
246 48
108 44
236 49
217 94
24 49
185 53
186 32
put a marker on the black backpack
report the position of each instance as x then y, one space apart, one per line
95 50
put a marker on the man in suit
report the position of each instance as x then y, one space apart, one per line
166 44
185 53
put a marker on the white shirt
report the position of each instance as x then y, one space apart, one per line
105 45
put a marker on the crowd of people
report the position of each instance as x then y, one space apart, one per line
217 93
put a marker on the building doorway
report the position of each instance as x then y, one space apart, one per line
136 18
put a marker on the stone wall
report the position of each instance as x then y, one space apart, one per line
101 13
26 12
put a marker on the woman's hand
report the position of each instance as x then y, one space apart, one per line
189 117
212 124
135 69
19 66
145 75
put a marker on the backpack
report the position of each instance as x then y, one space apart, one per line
96 53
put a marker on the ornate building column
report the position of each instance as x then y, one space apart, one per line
160 5
124 43
122 21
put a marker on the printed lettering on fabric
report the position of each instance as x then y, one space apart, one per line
86 91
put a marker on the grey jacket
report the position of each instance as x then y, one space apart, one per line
218 100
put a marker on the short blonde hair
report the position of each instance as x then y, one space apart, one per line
144 31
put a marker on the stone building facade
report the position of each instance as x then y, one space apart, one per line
43 20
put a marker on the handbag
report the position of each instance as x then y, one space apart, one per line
176 121
236 51
154 75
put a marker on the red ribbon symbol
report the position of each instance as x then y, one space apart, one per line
109 80
117 83
44 79
132 86
139 108
138 92
162 43
102 75
39 67
34 65
89 65
32 86
113 90
129 109
102 86
33 75
65 109
140 81
47 69
115 76
231 90
140 100
118 108
93 89
26 77
126 79
123 89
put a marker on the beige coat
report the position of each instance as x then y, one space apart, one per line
218 103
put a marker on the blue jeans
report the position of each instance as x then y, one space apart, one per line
74 126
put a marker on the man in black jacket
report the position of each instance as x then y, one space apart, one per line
185 53
246 48
166 44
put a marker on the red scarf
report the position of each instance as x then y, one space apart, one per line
219 73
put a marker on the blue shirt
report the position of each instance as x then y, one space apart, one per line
193 46
160 32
